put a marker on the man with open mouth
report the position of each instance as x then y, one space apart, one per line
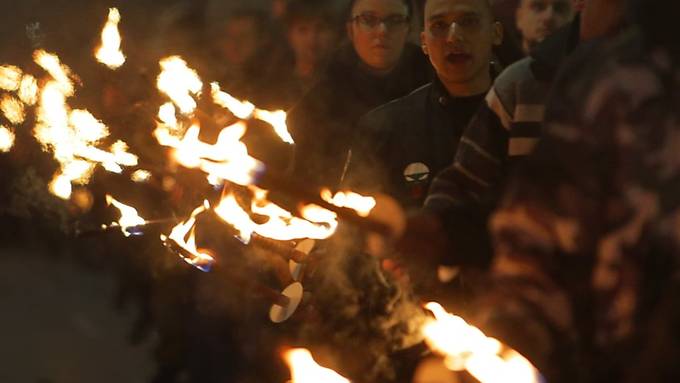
422 130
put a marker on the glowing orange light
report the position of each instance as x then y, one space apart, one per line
465 347
128 215
6 139
109 52
304 369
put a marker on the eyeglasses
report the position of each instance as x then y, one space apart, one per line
440 28
371 22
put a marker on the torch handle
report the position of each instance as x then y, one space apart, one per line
285 250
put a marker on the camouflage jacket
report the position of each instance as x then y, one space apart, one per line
586 235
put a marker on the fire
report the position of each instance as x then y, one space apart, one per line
60 73
179 82
245 110
227 159
6 139
129 217
361 204
305 370
281 224
465 347
13 109
240 109
277 119
140 176
28 90
185 237
109 52
10 77
72 135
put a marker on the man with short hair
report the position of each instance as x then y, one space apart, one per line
402 143
504 131
537 19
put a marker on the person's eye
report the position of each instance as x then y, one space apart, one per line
439 26
369 20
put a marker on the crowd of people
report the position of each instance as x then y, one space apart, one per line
531 143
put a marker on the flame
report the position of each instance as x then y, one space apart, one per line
59 72
28 90
184 236
61 186
227 159
305 370
280 225
245 110
277 119
72 134
465 347
129 217
179 82
109 52
13 109
141 176
361 204
6 139
240 109
10 77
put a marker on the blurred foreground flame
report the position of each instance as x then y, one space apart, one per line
304 369
465 347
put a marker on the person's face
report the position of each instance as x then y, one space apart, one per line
378 31
458 38
240 41
311 40
536 19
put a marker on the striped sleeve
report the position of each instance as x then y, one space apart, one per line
478 165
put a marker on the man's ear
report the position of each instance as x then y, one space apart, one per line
497 33
423 44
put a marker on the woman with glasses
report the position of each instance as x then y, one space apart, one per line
376 65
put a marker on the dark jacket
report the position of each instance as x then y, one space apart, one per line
322 123
401 145
505 130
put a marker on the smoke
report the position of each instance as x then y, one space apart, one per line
363 315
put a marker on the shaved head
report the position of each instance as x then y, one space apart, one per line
487 3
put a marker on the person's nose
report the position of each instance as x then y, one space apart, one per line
381 28
455 33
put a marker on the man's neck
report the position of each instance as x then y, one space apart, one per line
478 85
